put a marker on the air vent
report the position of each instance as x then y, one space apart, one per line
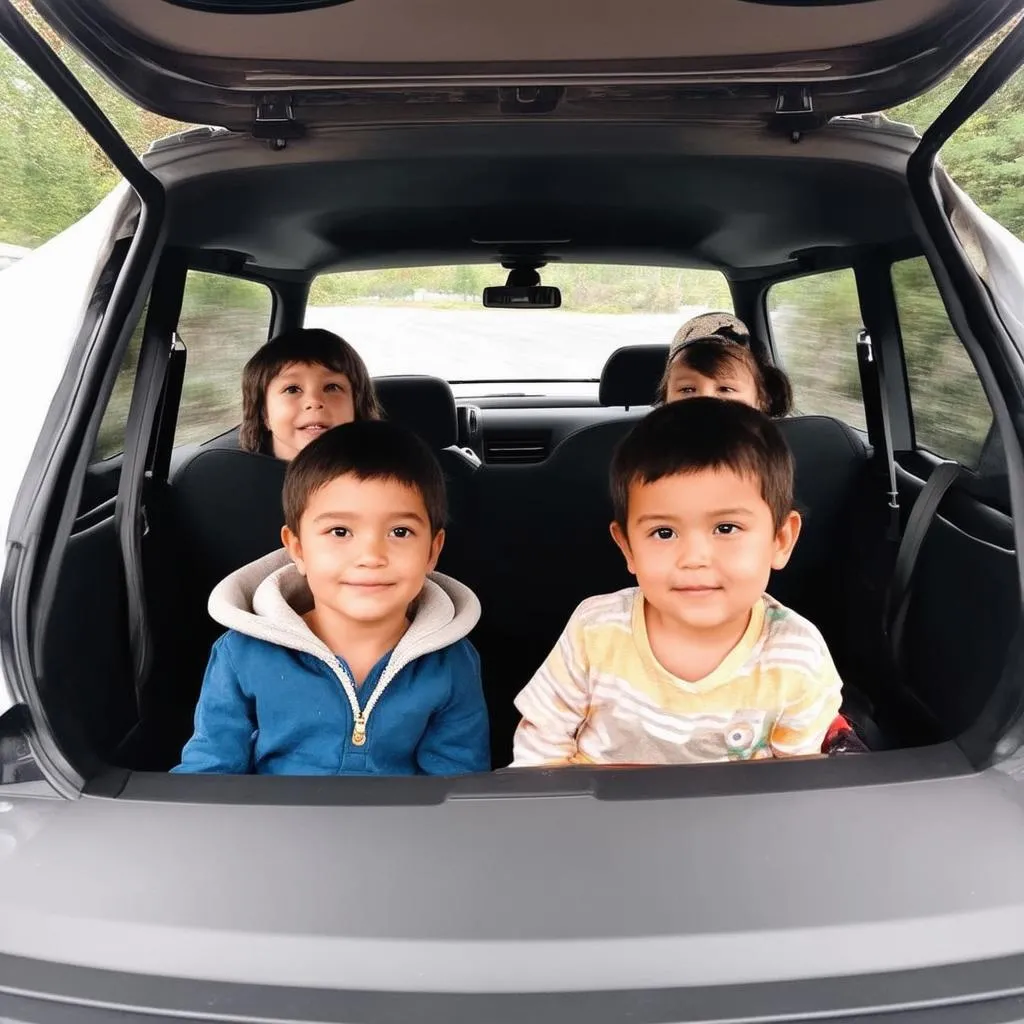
522 449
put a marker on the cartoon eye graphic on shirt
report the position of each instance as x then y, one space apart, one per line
739 737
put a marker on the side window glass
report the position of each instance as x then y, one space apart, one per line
814 323
952 416
223 321
110 440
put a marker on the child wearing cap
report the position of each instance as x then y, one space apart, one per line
711 357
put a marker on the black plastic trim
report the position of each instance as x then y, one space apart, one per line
144 412
167 418
603 783
879 310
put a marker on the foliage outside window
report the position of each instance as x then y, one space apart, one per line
814 323
52 173
223 321
952 416
985 155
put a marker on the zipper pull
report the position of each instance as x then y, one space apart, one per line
359 731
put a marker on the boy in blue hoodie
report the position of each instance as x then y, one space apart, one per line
346 654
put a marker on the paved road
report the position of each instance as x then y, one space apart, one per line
481 344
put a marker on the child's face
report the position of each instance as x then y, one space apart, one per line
702 546
303 401
365 547
736 382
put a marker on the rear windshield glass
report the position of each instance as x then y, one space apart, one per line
431 320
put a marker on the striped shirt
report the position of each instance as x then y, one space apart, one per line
602 697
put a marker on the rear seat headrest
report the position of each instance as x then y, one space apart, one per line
425 405
631 375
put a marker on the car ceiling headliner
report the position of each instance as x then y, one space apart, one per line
740 205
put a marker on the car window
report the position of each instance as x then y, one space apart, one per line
814 323
110 439
952 416
223 321
431 320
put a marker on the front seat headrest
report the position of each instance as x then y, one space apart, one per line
631 375
425 405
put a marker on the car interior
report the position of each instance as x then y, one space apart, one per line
527 477
762 184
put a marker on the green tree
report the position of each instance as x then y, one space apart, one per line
51 171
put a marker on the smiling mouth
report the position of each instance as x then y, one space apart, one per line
315 428
369 586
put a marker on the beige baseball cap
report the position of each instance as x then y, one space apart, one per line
710 325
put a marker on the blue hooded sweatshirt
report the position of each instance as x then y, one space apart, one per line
277 701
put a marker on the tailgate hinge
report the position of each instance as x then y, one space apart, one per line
275 120
794 112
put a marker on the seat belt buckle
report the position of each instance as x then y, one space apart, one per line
894 516
865 349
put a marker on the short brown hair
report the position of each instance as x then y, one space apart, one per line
369 450
711 357
700 434
309 346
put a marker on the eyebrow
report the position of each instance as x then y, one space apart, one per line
717 513
689 374
356 515
297 375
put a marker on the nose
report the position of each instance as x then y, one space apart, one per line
373 552
694 551
314 400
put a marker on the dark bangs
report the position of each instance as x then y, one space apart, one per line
704 434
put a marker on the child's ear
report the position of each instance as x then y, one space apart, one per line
622 542
435 550
293 546
785 540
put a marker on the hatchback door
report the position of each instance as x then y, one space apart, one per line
279 68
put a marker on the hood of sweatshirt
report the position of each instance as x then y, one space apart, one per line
266 599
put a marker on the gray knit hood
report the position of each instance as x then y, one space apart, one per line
266 599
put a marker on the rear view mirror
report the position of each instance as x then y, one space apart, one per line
537 296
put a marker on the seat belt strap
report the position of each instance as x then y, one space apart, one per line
876 407
922 515
130 511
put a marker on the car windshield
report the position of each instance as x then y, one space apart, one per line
431 320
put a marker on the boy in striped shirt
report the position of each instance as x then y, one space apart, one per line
697 663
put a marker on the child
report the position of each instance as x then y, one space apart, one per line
299 385
698 663
346 654
711 357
